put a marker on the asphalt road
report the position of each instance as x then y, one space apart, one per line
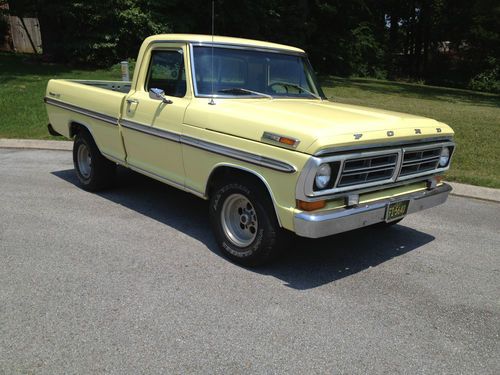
130 281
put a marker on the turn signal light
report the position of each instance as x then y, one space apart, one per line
310 206
288 141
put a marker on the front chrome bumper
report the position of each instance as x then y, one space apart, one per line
325 223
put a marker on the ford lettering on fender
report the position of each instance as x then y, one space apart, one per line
245 125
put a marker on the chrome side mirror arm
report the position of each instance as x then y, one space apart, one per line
159 94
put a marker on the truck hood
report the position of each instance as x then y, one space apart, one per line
316 124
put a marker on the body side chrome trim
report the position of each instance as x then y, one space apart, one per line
174 137
211 147
238 154
147 129
83 111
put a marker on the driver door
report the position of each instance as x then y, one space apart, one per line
151 127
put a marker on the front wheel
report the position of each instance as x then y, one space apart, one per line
244 222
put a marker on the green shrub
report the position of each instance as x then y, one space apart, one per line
489 80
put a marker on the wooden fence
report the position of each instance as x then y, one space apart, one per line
24 35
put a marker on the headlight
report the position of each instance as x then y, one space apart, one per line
323 176
445 157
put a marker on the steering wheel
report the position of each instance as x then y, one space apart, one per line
271 86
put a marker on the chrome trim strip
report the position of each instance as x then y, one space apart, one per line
238 154
234 46
248 47
147 129
231 45
83 111
334 150
326 223
211 147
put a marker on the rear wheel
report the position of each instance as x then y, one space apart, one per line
244 222
93 170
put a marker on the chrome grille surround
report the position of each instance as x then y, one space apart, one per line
365 170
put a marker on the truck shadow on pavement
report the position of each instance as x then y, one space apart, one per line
306 264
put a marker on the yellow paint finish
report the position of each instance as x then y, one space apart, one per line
156 155
107 102
199 164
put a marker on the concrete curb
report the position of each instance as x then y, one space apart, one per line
461 190
36 144
477 192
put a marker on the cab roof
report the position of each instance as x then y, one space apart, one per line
196 38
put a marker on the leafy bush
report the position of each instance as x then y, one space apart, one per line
488 80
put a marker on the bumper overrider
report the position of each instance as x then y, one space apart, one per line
325 223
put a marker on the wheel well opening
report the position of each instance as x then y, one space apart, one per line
75 128
228 173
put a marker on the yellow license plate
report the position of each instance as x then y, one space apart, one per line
396 210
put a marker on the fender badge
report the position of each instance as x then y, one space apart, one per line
358 136
390 133
418 131
438 130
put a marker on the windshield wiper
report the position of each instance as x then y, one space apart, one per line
288 84
241 90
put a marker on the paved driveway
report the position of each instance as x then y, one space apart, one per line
130 281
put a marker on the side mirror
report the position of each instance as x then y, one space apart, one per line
159 94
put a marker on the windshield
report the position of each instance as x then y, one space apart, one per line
251 73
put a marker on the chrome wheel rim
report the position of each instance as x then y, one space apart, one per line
84 160
239 220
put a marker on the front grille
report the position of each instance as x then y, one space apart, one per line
367 169
418 161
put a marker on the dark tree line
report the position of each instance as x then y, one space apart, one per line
452 42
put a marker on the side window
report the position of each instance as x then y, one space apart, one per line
166 72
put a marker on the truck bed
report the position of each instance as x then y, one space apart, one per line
96 105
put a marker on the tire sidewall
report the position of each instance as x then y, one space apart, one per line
78 142
265 238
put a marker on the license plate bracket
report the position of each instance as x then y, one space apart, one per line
396 210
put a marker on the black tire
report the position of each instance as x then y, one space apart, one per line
100 172
269 237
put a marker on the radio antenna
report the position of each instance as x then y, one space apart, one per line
212 101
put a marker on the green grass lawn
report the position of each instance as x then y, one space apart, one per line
474 116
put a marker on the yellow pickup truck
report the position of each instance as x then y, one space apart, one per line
245 125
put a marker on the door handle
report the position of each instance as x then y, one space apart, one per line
132 101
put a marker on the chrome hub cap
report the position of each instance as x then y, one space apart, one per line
84 161
239 220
